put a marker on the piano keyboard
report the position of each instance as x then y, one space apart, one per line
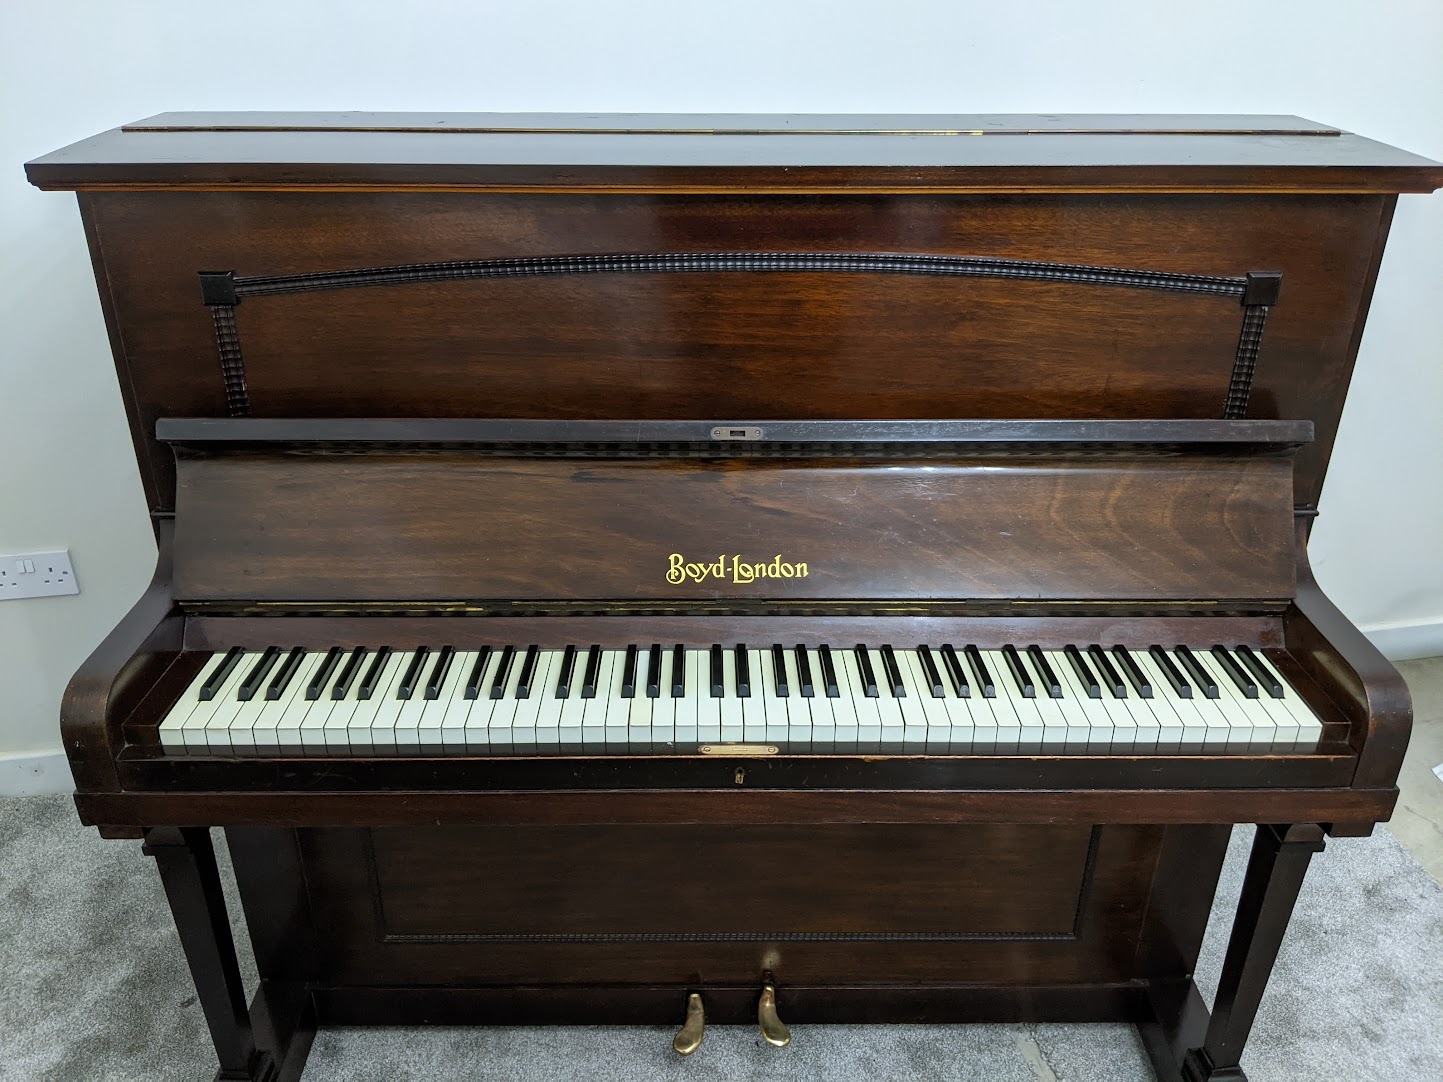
656 698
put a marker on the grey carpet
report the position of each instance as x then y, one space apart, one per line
93 986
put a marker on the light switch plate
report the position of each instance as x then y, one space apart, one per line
37 574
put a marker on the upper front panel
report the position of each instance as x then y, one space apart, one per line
732 342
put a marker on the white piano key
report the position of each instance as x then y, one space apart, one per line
528 710
663 709
217 730
641 707
1167 708
729 706
1088 722
195 732
1053 712
171 726
1005 704
1310 726
618 710
692 707
798 707
317 720
503 710
754 706
383 725
925 718
367 710
264 730
1214 718
889 707
772 726
1252 725
549 708
433 717
456 706
821 710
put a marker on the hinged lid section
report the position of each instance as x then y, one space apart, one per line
1138 512
550 151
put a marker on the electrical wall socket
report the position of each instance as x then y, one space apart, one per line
37 574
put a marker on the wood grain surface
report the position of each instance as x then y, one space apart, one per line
442 526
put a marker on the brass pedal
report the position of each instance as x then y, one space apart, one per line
689 1037
774 1030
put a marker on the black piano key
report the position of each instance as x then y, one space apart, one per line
653 671
287 670
503 672
592 673
411 678
979 672
864 666
1110 679
1235 672
929 668
955 672
829 672
439 672
478 673
628 674
1170 672
373 674
718 673
678 671
807 689
252 682
744 673
893 672
527 675
1020 676
779 671
1135 676
317 687
1044 670
349 672
1200 676
216 679
563 678
1262 672
1084 674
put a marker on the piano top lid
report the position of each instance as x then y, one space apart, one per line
702 152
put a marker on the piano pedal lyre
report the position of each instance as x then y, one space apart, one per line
774 1030
689 1037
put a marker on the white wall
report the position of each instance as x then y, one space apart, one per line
70 69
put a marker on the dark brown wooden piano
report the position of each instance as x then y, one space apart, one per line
671 569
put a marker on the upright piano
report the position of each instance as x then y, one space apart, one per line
684 569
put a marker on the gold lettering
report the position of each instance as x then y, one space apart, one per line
741 571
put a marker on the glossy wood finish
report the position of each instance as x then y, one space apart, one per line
733 347
477 150
192 886
1275 873
448 526
470 428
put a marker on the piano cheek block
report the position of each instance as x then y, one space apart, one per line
660 625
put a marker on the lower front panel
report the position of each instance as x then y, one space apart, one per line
475 909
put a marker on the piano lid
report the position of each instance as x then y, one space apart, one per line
544 151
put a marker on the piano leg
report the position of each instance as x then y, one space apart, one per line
1275 875
186 859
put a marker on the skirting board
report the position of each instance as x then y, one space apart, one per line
1406 641
32 772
